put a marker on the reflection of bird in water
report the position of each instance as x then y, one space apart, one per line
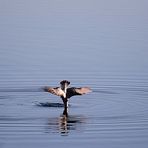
64 125
69 123
65 93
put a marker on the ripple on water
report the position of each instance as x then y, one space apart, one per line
48 104
114 111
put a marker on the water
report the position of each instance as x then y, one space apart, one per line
99 44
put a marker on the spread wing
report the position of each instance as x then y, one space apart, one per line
56 91
77 91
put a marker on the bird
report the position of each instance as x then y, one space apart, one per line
66 92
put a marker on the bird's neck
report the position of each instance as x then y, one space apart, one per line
64 88
65 91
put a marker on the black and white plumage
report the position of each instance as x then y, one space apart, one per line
65 93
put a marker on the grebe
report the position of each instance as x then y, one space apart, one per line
65 93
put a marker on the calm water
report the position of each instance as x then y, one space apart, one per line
100 44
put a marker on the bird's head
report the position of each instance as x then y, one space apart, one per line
64 84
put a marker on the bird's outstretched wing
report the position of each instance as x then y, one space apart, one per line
56 91
77 91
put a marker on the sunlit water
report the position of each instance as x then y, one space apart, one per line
90 44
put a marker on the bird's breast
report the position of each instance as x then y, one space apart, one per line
64 95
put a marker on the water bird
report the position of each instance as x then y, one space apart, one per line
66 92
